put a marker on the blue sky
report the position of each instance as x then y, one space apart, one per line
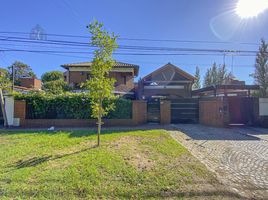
206 20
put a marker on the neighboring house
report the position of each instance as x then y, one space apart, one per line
27 84
167 82
123 73
230 87
31 83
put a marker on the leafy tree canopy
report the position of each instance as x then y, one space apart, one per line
52 76
216 75
55 87
5 82
21 70
197 83
261 69
100 85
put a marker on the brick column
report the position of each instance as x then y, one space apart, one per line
20 111
165 112
139 112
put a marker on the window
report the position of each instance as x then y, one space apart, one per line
125 80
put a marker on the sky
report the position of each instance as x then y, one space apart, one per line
206 24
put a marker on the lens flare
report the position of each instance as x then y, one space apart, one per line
250 8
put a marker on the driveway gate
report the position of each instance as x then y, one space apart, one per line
185 110
153 110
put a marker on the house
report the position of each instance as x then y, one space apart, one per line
27 84
167 82
123 73
30 82
230 87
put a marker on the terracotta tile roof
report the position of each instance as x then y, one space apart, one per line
117 65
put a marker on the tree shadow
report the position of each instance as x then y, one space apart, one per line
39 160
83 132
217 194
121 130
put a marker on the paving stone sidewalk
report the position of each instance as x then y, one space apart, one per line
238 156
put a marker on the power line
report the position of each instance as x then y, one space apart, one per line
140 39
116 53
129 47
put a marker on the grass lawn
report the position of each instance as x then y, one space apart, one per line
129 164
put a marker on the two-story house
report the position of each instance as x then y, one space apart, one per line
123 73
167 82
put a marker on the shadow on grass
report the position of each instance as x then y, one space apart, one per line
39 160
217 194
85 132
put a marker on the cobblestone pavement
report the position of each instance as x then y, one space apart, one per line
239 156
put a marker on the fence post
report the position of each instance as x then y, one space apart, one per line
165 112
9 108
139 112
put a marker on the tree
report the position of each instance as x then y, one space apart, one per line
197 84
5 82
55 87
53 82
21 70
100 86
261 69
52 76
216 75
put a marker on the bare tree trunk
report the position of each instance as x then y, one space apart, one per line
99 128
99 122
2 102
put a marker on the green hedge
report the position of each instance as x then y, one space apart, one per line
69 106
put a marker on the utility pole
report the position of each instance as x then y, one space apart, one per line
13 78
232 64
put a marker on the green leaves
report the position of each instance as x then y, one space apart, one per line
216 75
42 105
5 82
261 69
52 76
100 85
197 84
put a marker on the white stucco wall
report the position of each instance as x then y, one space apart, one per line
9 107
263 106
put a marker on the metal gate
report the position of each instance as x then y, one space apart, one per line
153 111
185 110
241 109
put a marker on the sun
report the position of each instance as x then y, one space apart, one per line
250 8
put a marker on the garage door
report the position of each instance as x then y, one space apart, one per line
185 110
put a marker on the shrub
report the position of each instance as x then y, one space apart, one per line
40 105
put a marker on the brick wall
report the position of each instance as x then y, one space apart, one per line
214 112
124 81
46 123
77 77
30 83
